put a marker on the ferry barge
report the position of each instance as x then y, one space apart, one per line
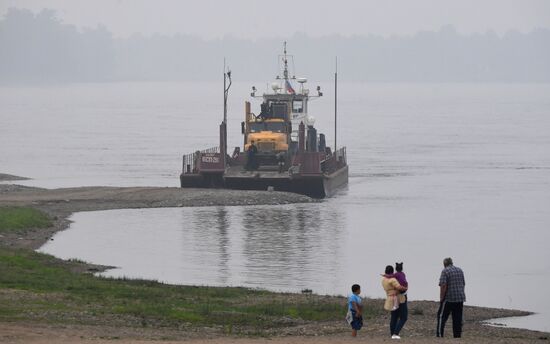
281 149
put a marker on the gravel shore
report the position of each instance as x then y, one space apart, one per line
10 177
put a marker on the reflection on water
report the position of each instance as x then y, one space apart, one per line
291 247
286 247
210 231
276 247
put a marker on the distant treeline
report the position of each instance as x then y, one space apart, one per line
40 48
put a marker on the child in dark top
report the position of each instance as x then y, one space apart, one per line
400 276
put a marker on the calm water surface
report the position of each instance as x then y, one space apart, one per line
460 170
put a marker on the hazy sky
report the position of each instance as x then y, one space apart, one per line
281 18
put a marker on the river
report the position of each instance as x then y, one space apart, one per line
436 170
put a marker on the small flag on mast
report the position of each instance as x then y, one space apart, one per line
289 88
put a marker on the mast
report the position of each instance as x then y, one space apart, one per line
335 103
286 77
224 95
226 75
285 72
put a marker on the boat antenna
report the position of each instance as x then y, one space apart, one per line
226 76
285 72
335 102
224 94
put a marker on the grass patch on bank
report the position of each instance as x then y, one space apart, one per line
39 287
17 219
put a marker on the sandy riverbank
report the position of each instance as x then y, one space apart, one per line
61 203
419 329
10 177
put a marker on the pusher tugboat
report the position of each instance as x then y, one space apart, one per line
282 150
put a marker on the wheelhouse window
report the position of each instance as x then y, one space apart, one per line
298 106
280 110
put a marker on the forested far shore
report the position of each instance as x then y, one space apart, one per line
41 48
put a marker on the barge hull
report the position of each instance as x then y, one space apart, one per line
312 187
316 186
211 180
335 181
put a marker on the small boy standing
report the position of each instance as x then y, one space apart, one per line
355 308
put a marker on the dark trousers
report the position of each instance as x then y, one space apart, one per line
399 318
251 162
453 308
357 322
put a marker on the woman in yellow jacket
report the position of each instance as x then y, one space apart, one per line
393 299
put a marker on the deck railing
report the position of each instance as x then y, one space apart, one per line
190 160
341 157
335 161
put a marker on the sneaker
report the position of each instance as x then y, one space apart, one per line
395 337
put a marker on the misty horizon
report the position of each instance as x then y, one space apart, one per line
246 19
42 48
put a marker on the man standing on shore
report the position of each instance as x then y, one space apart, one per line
452 297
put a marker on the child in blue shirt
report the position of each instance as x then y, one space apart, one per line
355 309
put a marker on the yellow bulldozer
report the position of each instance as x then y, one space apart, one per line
269 132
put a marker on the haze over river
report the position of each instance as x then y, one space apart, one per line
436 170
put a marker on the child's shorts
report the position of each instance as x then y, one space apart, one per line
357 322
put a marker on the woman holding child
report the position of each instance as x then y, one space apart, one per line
396 300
